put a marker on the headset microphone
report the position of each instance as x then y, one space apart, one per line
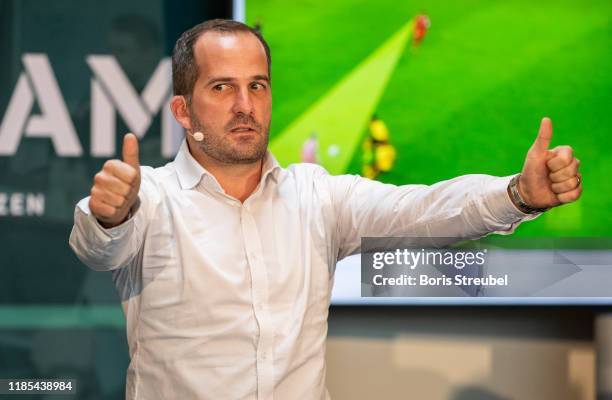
198 136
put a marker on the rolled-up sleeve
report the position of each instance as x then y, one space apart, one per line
465 207
104 249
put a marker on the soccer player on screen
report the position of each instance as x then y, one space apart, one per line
421 25
225 260
378 155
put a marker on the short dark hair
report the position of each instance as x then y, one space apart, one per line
184 67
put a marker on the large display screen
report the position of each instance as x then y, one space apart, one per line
419 92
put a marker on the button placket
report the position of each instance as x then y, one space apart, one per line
253 249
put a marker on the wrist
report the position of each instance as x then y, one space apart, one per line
112 224
521 191
518 197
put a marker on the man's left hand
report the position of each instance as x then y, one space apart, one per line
550 177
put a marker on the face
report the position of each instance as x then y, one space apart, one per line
231 101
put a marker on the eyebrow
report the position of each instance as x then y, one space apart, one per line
230 79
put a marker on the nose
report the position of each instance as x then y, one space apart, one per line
243 102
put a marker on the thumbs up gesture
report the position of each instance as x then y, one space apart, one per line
550 177
116 186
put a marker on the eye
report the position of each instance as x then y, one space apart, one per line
220 87
257 86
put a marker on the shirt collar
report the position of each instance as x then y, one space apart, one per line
270 167
190 172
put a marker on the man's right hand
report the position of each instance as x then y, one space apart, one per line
116 186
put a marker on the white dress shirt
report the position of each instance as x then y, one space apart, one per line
229 300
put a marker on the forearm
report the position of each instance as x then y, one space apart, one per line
481 205
99 248
465 207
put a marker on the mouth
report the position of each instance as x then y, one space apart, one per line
243 129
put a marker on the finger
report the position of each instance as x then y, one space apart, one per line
101 210
565 186
565 173
130 150
108 197
122 171
570 196
564 155
544 136
111 183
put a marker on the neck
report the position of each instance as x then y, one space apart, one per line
237 180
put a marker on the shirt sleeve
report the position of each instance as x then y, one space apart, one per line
465 207
104 249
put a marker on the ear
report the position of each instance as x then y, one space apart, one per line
178 105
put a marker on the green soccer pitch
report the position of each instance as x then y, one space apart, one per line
469 99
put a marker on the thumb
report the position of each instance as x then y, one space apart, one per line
544 136
130 150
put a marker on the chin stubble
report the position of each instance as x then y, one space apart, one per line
221 150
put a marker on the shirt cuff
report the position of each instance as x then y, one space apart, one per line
107 234
500 205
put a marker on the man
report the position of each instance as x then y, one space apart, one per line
225 261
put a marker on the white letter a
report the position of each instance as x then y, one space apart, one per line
54 122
